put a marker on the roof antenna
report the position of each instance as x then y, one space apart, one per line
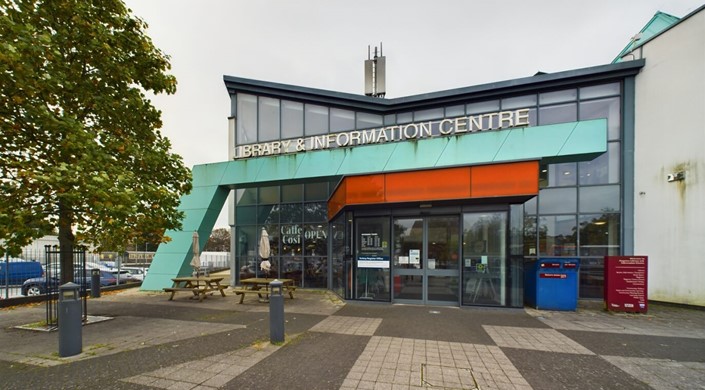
375 73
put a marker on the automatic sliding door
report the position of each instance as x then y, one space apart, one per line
426 260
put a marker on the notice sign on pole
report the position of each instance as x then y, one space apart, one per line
625 283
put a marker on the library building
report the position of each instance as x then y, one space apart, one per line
440 198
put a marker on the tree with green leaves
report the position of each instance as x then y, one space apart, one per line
219 241
80 149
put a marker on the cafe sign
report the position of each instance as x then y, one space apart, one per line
411 131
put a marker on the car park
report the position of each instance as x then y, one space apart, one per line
16 271
42 285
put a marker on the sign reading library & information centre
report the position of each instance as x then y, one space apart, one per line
416 130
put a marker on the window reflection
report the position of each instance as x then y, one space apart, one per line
602 170
557 200
557 235
292 119
558 114
246 119
599 235
603 108
316 119
268 119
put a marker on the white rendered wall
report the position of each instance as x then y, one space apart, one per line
669 224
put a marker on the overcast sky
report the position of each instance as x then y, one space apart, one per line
430 46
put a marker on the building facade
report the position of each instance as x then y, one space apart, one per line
442 198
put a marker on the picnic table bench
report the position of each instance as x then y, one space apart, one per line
200 286
260 286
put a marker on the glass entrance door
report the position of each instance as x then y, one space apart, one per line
484 258
426 260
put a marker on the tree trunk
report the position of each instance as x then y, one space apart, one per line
66 243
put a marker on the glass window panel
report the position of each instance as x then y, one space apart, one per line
341 120
602 170
558 114
592 277
597 199
424 115
292 193
603 108
316 212
316 239
290 212
480 107
246 215
246 119
372 241
455 111
567 95
245 196
516 229
268 119
405 117
484 257
368 121
530 206
273 233
558 175
292 268
599 235
316 272
292 119
599 91
316 119
246 240
557 200
519 102
557 235
290 236
316 191
443 242
530 229
390 119
268 195
267 214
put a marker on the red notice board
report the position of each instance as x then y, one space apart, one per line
625 283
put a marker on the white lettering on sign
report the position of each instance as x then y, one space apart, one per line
446 127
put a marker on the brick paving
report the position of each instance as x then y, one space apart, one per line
358 346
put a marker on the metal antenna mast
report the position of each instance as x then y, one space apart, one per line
375 73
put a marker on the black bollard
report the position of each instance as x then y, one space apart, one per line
95 283
276 312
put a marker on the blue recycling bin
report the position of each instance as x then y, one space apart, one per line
552 284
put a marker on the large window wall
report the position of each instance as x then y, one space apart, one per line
578 212
295 218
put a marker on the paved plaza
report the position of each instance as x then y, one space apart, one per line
148 342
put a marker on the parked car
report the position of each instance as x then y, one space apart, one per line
39 286
125 276
19 270
136 272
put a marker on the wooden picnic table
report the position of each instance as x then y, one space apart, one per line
260 286
198 285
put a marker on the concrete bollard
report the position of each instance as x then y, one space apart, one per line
276 312
70 325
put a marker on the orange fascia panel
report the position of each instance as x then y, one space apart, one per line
365 189
437 184
337 201
486 181
519 178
